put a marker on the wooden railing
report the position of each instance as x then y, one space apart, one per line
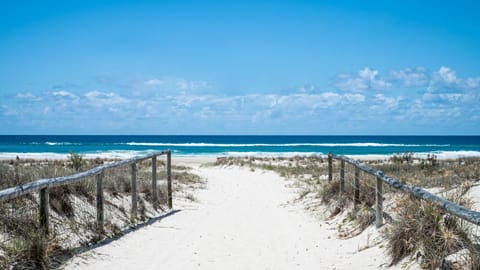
417 192
43 185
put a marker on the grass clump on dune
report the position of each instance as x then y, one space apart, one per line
415 229
72 215
31 250
431 235
430 172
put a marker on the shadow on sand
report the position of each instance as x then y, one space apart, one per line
59 261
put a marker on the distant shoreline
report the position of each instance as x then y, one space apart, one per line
127 146
117 155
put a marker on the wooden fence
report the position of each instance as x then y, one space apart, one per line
43 186
381 178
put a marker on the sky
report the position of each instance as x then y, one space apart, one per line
246 67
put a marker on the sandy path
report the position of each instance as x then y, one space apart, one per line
242 221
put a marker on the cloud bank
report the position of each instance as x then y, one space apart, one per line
407 101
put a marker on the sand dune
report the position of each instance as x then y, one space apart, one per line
242 220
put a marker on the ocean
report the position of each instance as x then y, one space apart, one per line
124 146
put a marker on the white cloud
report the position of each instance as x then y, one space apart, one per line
365 79
347 83
411 77
64 94
101 99
308 88
62 99
168 86
153 82
174 102
184 85
445 79
448 75
423 109
386 103
300 102
472 83
27 95
449 98
303 102
294 105
452 97
354 98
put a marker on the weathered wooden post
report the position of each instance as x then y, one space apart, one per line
342 176
44 205
100 200
356 189
154 182
133 213
379 203
169 179
330 167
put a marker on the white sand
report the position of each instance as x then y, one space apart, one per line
193 161
242 220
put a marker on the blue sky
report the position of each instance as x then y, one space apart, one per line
250 67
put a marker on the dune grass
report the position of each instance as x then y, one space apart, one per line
420 230
73 207
431 235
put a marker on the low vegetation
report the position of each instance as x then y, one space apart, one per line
73 207
312 167
430 172
431 235
418 230
76 161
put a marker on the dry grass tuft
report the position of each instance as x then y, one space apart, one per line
289 167
365 217
73 214
426 230
30 250
420 228
329 191
430 172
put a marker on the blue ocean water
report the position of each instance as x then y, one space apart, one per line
127 146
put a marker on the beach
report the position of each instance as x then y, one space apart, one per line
145 134
243 220
249 212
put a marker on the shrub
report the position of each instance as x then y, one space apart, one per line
76 161
406 157
329 191
31 250
424 227
365 217
430 163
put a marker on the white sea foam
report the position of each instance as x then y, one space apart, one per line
60 156
124 154
61 143
13 155
368 144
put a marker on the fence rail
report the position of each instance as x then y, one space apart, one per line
417 192
44 185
